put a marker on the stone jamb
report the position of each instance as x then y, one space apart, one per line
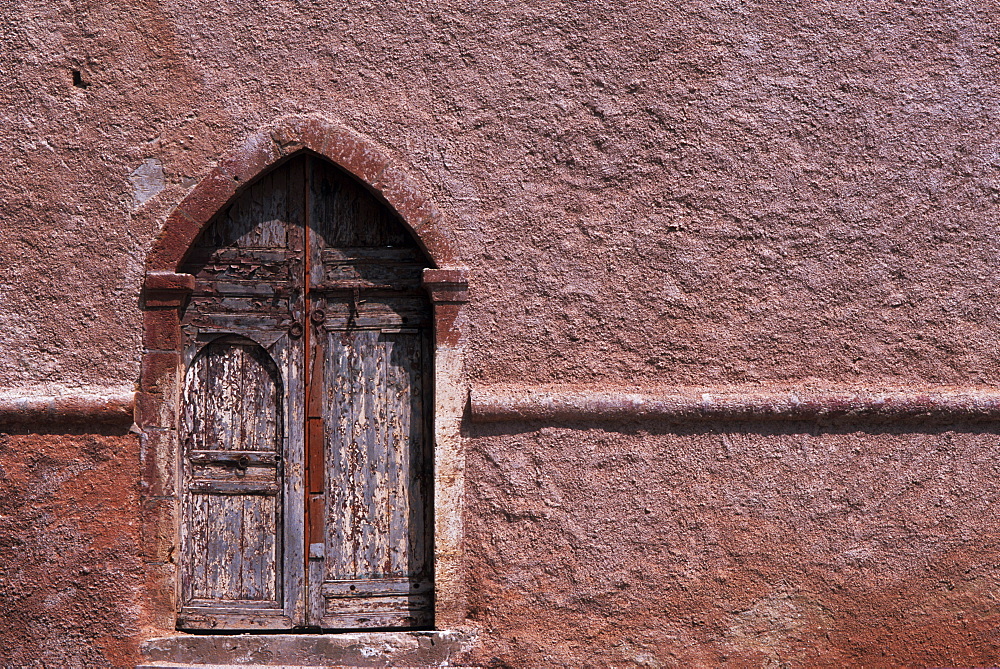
448 290
165 292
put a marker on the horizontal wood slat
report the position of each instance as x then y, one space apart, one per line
369 620
234 488
397 604
382 255
235 606
234 457
377 587
248 620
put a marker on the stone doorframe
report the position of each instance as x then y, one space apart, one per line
165 291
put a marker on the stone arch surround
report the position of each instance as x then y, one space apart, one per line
165 292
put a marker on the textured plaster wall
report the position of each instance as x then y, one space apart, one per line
688 193
692 191
70 573
747 545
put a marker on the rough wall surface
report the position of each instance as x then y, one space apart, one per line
69 550
702 191
753 545
674 193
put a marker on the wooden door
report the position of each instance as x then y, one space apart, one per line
308 334
241 432
369 408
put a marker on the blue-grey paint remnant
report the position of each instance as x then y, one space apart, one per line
147 181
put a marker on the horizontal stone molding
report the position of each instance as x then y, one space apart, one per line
90 408
500 403
490 404
447 285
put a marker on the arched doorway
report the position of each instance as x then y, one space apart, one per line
308 506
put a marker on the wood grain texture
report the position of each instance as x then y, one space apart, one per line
344 214
242 549
232 431
377 447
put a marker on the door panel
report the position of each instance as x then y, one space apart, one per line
375 445
372 565
233 436
377 538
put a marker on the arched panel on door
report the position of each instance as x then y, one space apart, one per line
232 434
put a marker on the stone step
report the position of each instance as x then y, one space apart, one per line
174 665
357 650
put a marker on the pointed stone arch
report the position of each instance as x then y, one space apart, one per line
275 143
165 293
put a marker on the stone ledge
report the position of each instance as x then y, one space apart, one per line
87 409
603 402
301 651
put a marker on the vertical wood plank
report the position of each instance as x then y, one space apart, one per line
292 522
358 402
367 448
397 394
195 571
379 450
260 192
419 448
258 560
413 447
346 215
240 410
229 561
339 430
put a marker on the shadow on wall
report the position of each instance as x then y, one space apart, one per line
41 427
641 427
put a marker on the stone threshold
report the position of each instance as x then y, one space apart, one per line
169 665
355 650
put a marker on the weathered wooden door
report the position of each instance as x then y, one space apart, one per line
369 446
233 427
305 432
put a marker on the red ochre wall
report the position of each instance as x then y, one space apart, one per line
70 567
649 194
643 546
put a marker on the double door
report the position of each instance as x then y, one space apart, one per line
305 430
